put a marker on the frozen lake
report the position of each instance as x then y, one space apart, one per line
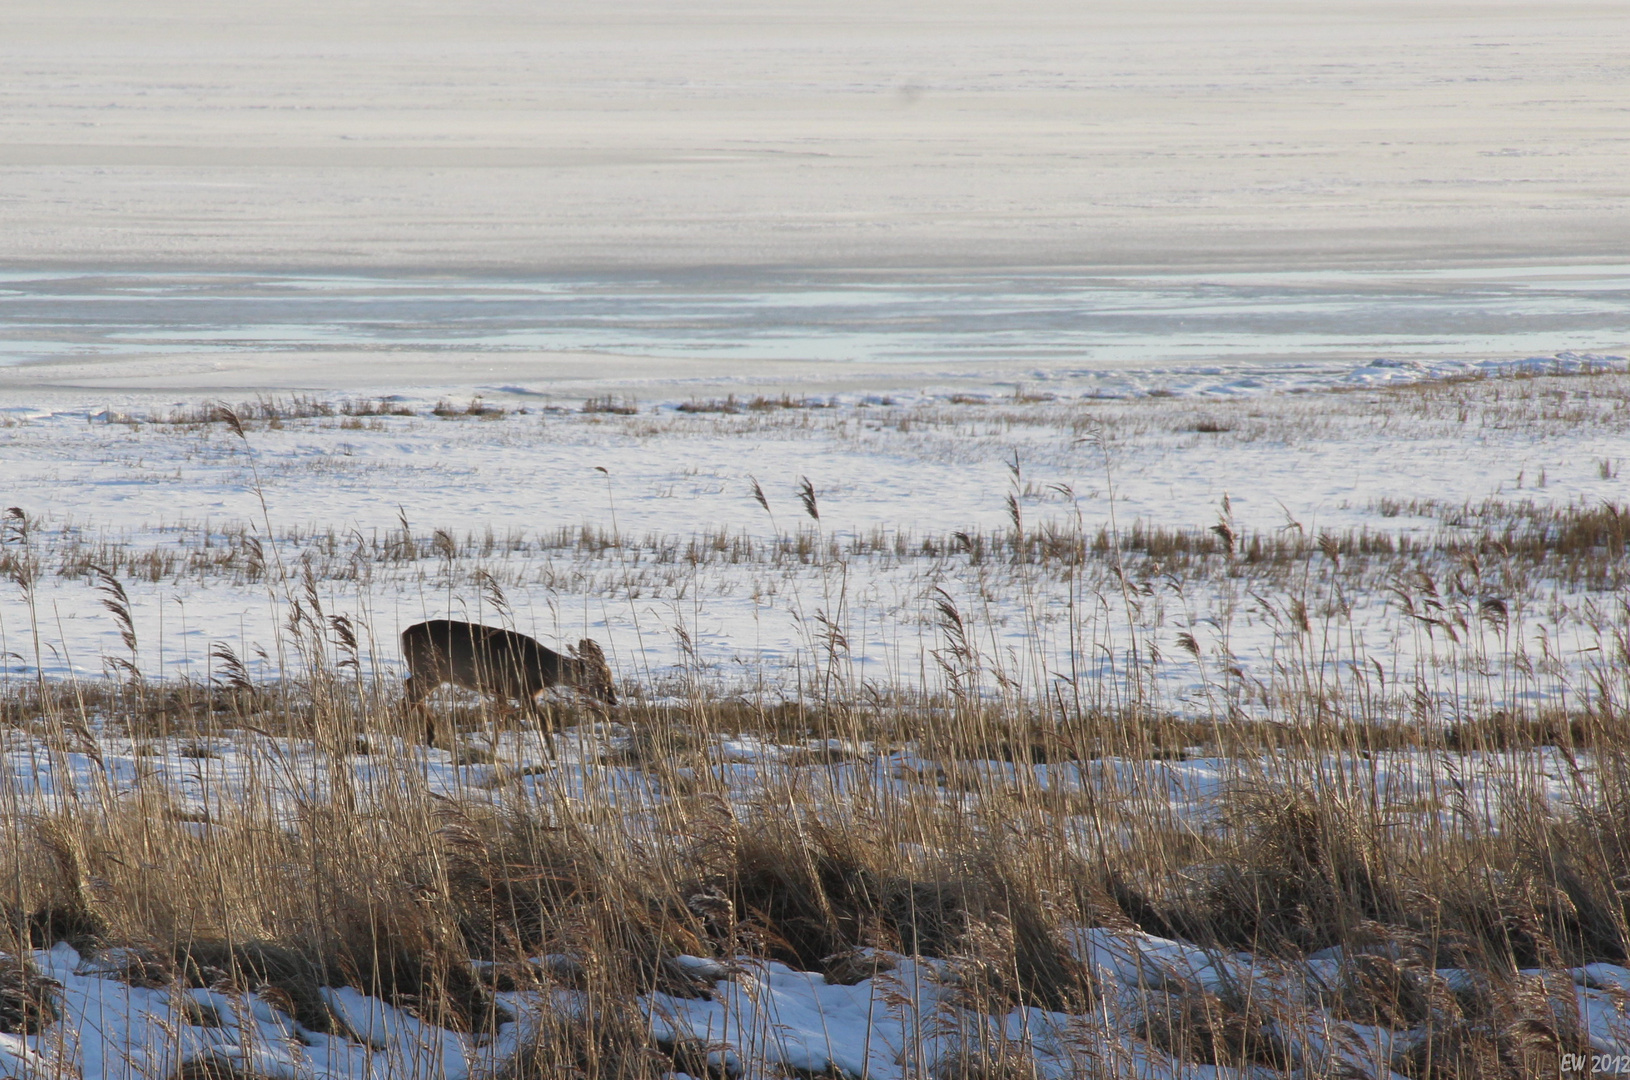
1077 333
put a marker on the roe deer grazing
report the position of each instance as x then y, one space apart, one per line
491 660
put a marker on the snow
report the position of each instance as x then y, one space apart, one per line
674 625
759 1015
674 606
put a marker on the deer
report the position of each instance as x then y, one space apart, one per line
498 662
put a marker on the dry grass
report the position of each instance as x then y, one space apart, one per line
394 888
273 411
613 406
730 405
476 408
979 817
1512 549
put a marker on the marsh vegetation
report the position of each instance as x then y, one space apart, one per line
1056 787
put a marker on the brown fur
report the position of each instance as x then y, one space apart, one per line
502 663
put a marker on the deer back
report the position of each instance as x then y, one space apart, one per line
487 659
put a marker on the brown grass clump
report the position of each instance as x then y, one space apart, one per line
1301 862
257 967
1302 873
610 405
475 408
728 406
1201 1027
27 999
987 1059
216 1067
612 1043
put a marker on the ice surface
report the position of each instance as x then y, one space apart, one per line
639 135
1069 334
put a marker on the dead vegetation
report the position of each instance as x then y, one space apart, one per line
272 411
476 408
1512 546
608 404
1453 865
988 832
730 405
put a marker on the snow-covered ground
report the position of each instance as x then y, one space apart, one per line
765 1019
705 582
712 590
